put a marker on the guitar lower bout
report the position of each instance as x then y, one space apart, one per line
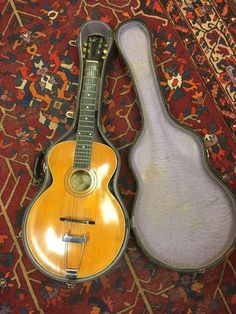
76 229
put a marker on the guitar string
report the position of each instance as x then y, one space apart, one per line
89 88
87 107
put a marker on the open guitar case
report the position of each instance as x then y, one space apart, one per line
41 172
183 216
166 242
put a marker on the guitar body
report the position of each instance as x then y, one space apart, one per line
65 198
183 217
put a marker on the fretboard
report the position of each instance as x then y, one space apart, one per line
88 100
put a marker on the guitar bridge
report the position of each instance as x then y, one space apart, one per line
78 220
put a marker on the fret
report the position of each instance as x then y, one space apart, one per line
84 113
83 143
82 155
88 101
90 92
87 109
89 89
85 128
84 133
89 98
89 79
92 70
83 124
88 104
82 160
84 136
82 166
90 85
88 123
84 147
90 75
86 120
87 117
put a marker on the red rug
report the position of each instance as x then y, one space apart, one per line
194 48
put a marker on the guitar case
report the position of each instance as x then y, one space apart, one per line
42 175
183 215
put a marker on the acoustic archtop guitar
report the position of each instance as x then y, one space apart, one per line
76 229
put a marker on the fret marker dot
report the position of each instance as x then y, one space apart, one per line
87 107
86 118
88 94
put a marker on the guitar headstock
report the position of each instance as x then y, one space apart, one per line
95 48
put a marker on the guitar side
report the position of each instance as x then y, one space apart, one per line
76 225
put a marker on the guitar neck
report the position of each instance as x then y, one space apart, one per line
88 102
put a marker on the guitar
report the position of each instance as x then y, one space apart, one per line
76 229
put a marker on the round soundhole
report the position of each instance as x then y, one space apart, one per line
81 180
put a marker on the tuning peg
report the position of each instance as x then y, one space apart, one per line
85 44
104 51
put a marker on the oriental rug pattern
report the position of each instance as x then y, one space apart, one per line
194 48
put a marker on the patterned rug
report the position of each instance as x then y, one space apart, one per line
194 48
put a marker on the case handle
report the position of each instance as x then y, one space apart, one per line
39 168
